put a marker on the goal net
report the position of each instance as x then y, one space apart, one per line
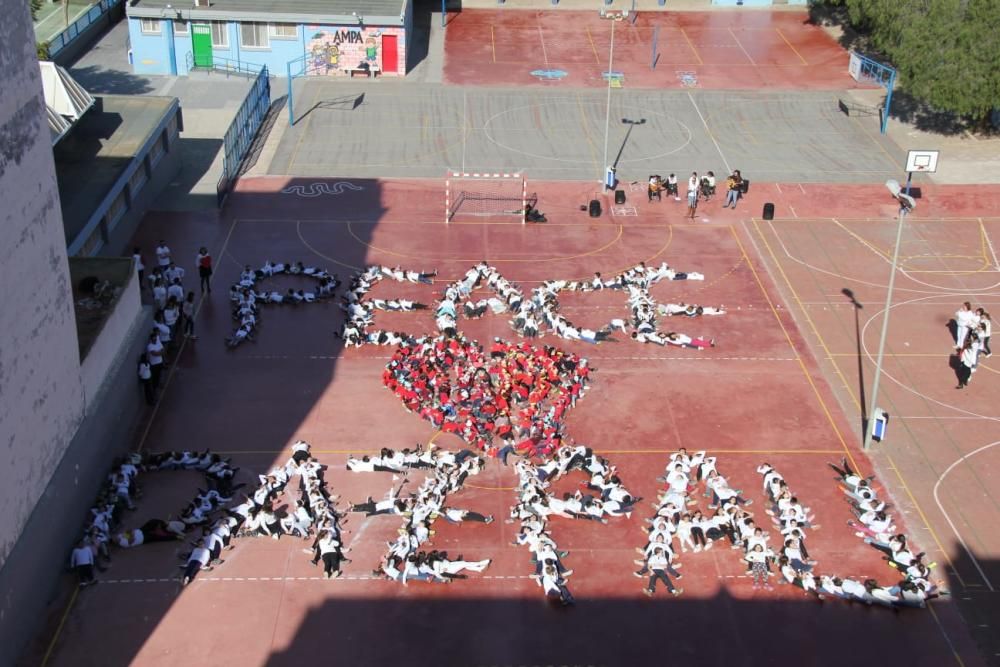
483 195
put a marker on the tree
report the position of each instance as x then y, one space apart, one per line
35 5
944 50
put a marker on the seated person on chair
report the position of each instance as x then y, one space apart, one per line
532 214
655 187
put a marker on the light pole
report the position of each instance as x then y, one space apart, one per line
607 115
906 204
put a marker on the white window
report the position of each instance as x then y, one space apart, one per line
220 34
149 26
284 31
254 35
181 28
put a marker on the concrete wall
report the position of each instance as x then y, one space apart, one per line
30 577
41 395
104 353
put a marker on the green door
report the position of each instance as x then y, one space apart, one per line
201 44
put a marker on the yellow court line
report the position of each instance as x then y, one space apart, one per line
593 46
782 35
180 351
493 44
261 452
694 50
798 357
62 622
923 517
805 312
740 44
857 237
536 260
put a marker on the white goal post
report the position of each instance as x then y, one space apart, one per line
485 194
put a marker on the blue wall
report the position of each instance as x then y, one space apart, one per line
150 53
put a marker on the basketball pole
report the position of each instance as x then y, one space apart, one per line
607 115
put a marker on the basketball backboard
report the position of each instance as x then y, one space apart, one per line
921 161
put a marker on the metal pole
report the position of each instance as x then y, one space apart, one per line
885 330
291 102
607 115
656 41
444 13
888 101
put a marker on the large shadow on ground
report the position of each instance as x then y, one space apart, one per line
212 389
720 630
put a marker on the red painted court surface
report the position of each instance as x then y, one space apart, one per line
715 50
760 395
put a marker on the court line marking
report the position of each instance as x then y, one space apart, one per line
180 349
989 243
805 371
947 517
593 47
809 319
947 637
709 131
774 452
782 35
692 47
850 392
586 133
541 39
745 52
59 628
493 44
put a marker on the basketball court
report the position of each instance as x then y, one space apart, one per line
404 130
710 50
267 605
782 385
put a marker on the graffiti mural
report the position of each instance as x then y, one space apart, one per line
335 50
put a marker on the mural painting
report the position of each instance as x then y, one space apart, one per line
334 50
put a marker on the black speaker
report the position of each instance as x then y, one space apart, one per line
744 186
769 211
619 197
595 208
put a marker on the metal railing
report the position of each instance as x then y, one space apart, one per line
243 130
67 36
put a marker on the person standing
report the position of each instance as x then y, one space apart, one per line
82 562
204 262
966 363
140 267
187 312
163 254
965 319
146 377
154 354
692 202
985 331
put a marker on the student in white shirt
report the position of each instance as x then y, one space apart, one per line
82 562
163 254
965 319
199 559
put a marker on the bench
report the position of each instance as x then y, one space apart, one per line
370 73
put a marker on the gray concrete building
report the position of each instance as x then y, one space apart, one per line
68 395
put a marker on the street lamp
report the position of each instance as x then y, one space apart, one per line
906 204
609 174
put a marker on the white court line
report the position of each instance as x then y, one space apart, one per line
947 518
710 135
792 209
993 253
541 38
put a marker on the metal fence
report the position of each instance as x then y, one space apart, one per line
67 36
242 132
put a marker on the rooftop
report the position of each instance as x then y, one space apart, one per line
338 12
94 154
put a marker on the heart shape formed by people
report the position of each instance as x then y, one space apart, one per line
515 395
